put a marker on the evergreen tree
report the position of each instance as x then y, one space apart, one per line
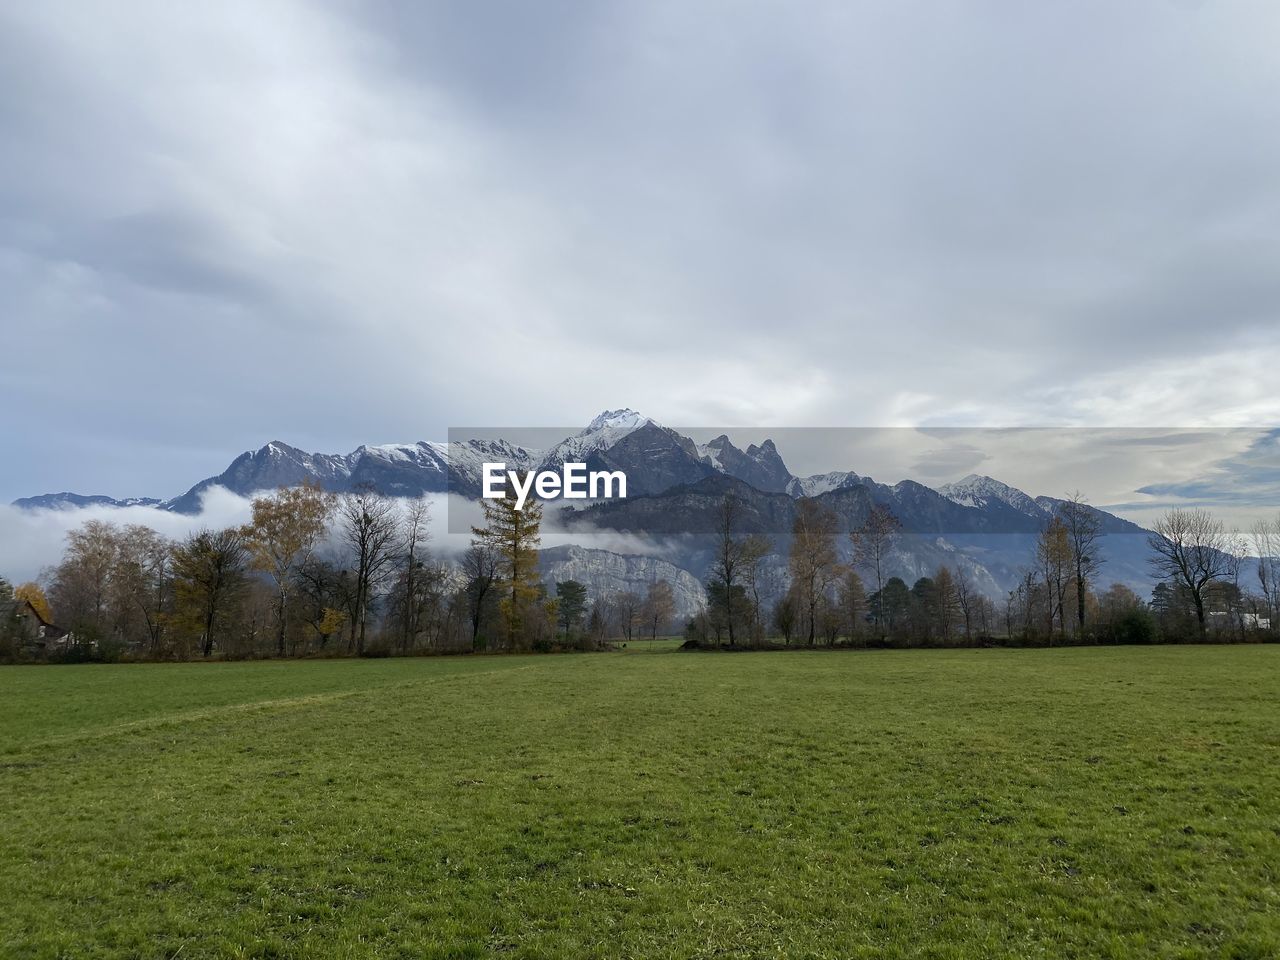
573 602
8 621
514 536
853 604
889 607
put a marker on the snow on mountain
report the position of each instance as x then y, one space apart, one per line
392 451
761 466
76 501
822 483
465 459
601 433
978 491
622 421
394 469
714 452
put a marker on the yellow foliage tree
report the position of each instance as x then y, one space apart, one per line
284 530
33 595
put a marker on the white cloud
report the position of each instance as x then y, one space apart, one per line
32 540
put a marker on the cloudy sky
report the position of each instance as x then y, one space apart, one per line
222 224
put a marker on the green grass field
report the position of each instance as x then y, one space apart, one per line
987 803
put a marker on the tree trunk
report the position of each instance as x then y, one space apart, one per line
280 606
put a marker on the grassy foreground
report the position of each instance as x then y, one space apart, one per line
988 803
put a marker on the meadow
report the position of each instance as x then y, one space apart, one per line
1086 802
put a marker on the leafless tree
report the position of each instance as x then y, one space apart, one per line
414 535
735 556
368 525
813 559
144 579
659 607
1084 527
1192 549
1053 555
753 551
209 573
481 565
853 603
1266 547
969 601
629 605
80 586
872 543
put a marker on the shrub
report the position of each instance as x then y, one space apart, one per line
1134 626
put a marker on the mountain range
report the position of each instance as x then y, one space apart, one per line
675 488
656 459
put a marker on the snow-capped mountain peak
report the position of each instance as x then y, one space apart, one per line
617 423
600 434
821 483
975 490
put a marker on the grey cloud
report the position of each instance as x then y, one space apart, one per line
1251 477
341 223
947 463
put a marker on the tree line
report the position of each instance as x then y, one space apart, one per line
313 574
829 596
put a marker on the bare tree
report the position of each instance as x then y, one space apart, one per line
209 573
813 558
629 604
853 603
969 601
369 527
659 607
753 551
1084 527
80 589
322 597
414 535
1266 547
734 555
481 565
1053 556
1192 549
947 600
144 578
872 543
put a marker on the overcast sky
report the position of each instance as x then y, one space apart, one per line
226 223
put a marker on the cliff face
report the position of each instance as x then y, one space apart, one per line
604 572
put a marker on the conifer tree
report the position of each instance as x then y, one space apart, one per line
573 602
514 535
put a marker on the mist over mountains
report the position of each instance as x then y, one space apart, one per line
656 459
675 487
